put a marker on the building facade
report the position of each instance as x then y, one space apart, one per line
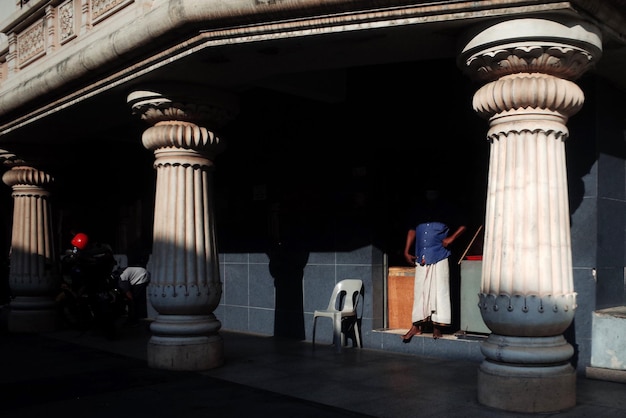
262 151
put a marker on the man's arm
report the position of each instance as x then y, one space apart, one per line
410 237
451 238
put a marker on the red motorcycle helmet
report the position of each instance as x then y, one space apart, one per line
80 241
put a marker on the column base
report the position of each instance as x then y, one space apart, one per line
186 354
32 321
527 389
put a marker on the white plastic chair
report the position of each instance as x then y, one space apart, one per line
343 305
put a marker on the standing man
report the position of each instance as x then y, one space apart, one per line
429 231
133 282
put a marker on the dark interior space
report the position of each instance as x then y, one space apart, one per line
330 175
308 165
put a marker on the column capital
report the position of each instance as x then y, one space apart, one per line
533 97
558 46
9 159
196 104
24 175
183 118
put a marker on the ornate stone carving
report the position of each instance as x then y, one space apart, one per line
101 9
31 43
7 158
562 61
66 21
180 135
216 108
523 91
27 176
179 121
555 45
527 315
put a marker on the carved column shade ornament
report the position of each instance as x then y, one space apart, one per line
527 296
186 286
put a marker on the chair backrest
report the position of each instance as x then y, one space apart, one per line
345 296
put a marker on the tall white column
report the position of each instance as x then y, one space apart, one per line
33 276
527 296
186 286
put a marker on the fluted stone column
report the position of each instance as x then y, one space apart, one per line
527 296
33 276
185 287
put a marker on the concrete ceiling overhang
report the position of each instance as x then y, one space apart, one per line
302 50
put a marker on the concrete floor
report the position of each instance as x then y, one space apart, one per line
65 373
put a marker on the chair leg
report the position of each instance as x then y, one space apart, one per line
313 336
337 334
357 333
353 328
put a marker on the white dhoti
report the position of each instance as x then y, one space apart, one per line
431 293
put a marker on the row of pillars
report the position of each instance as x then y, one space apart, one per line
527 67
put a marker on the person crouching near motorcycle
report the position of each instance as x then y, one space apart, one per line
133 282
72 302
90 266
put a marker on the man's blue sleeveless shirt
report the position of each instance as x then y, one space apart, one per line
428 242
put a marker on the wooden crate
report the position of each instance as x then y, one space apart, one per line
400 296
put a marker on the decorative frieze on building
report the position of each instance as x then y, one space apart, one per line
66 21
101 9
55 26
31 43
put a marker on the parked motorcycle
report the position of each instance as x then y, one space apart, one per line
89 297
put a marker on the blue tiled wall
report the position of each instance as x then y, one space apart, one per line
248 301
248 298
597 174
